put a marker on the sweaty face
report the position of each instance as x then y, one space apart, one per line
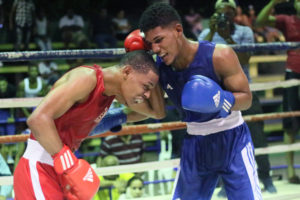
164 42
136 188
137 86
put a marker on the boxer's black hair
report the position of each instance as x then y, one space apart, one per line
139 60
158 14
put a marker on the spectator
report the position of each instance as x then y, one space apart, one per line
289 25
71 26
122 25
259 35
127 148
7 115
240 18
264 33
194 21
12 153
233 33
134 189
115 183
103 30
31 86
22 17
42 38
48 71
5 190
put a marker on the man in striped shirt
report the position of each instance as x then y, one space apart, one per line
128 148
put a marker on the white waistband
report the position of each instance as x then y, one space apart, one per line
35 152
215 125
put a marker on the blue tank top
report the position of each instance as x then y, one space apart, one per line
173 81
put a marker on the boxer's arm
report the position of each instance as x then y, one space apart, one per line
153 107
73 87
229 70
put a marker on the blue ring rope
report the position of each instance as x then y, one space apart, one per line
61 54
118 52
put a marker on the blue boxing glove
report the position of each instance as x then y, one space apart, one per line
201 94
112 121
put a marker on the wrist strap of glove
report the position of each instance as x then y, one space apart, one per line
228 103
64 160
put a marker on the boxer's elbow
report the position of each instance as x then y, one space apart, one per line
247 102
160 115
36 122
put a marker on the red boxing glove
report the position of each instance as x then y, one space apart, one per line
80 182
135 41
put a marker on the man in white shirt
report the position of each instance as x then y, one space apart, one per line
72 26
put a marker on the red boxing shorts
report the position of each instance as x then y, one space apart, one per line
34 176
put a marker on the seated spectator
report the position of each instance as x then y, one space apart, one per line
103 30
32 86
42 38
134 189
127 148
21 19
5 190
115 183
48 71
122 25
71 26
7 90
12 153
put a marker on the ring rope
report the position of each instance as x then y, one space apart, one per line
157 127
62 54
20 102
274 84
118 52
172 163
34 101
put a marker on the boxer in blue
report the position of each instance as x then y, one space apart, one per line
206 83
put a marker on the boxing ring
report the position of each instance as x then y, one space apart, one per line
284 190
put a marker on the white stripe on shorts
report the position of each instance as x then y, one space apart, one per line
37 189
248 158
36 153
176 181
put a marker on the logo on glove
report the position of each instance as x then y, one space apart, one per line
216 98
89 176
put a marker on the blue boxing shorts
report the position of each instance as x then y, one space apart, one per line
228 154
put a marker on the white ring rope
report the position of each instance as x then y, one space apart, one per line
20 102
274 84
156 165
31 102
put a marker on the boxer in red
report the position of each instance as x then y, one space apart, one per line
76 104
